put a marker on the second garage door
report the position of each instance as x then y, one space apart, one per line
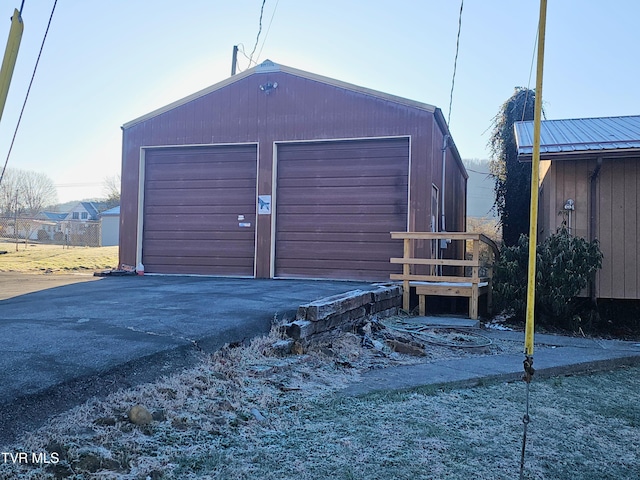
336 203
199 210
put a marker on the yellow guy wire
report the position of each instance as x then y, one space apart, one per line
535 178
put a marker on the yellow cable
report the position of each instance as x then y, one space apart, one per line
535 178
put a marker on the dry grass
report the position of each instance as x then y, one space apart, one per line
247 413
37 258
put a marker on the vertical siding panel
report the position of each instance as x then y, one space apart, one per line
581 213
604 215
630 229
618 230
560 198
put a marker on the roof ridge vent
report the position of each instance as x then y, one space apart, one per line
267 66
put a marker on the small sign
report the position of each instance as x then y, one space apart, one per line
240 218
244 225
264 204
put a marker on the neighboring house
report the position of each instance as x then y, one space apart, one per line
277 172
110 227
590 178
79 226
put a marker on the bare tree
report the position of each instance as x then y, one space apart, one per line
24 192
111 189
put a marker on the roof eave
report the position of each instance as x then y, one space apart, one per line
582 154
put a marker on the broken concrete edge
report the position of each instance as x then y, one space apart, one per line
344 312
594 366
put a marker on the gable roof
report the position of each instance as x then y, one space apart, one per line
270 67
603 136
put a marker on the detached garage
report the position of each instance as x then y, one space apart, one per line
280 173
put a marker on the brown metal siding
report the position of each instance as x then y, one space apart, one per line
192 200
299 109
336 204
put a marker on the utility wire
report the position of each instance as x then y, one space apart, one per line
455 62
24 104
267 32
259 32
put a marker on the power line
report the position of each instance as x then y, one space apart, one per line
455 61
268 30
259 32
24 104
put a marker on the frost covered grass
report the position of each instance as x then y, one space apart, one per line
248 413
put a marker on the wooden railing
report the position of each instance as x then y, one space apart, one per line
433 283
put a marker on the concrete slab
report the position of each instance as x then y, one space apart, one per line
61 345
576 356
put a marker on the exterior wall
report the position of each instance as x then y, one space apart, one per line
298 109
109 230
616 216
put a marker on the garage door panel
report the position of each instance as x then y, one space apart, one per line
333 250
321 182
204 235
341 209
211 249
336 203
202 171
362 195
199 223
201 183
192 200
346 270
330 169
201 269
355 237
172 209
370 150
339 223
185 196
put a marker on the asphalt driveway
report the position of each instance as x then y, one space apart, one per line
61 345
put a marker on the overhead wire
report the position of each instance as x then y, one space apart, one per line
24 104
455 62
259 32
267 32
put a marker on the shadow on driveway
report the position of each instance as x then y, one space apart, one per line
63 345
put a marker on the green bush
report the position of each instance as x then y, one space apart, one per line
564 266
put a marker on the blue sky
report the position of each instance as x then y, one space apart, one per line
108 62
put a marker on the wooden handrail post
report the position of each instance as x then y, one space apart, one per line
406 271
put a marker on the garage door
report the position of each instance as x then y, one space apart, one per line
336 204
199 210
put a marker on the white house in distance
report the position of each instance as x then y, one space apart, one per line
110 227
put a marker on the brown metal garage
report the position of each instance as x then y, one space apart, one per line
277 172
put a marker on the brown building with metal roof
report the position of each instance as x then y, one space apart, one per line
276 172
590 178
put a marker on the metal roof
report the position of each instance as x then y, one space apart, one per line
561 138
